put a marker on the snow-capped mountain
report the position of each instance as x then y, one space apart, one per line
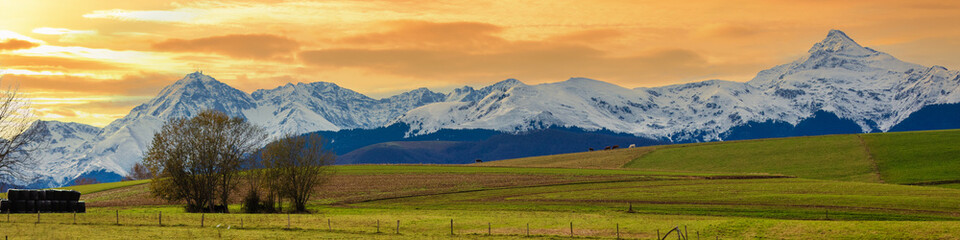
289 109
61 145
838 76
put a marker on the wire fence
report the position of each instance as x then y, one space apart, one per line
357 225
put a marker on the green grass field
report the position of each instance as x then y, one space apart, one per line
840 187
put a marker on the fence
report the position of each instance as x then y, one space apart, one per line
363 225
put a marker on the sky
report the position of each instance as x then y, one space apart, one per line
92 61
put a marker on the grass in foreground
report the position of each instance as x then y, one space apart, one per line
435 224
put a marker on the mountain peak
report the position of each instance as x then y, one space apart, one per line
196 76
838 42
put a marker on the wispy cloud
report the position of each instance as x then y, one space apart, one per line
61 31
182 15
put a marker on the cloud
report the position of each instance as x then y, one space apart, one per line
250 46
154 16
14 44
588 36
727 30
61 31
38 63
431 35
547 62
132 84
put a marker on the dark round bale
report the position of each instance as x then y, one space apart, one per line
31 206
55 206
51 194
34 195
80 207
74 195
19 206
66 206
14 194
4 206
42 194
45 206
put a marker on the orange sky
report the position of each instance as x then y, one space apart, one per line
92 61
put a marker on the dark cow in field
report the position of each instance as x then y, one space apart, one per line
606 148
591 149
615 147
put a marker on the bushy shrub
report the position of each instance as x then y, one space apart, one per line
251 202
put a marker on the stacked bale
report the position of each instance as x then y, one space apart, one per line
31 201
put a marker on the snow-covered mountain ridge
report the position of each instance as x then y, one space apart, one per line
871 88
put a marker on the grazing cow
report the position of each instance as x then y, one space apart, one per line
478 161
606 148
615 147
632 146
591 149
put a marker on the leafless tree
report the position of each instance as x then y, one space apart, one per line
198 160
297 166
20 136
138 172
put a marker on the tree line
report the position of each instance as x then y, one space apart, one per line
202 160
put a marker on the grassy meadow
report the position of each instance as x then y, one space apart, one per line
822 187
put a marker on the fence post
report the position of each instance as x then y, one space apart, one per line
451 227
329 227
378 225
160 218
658 234
685 234
288 220
528 229
118 217
571 229
201 219
488 228
241 222
398 226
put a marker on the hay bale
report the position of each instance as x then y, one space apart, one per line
42 194
19 206
20 194
73 195
5 206
51 195
56 206
34 195
31 206
14 194
45 206
80 207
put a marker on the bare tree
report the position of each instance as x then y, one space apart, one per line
198 160
138 172
20 136
297 165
